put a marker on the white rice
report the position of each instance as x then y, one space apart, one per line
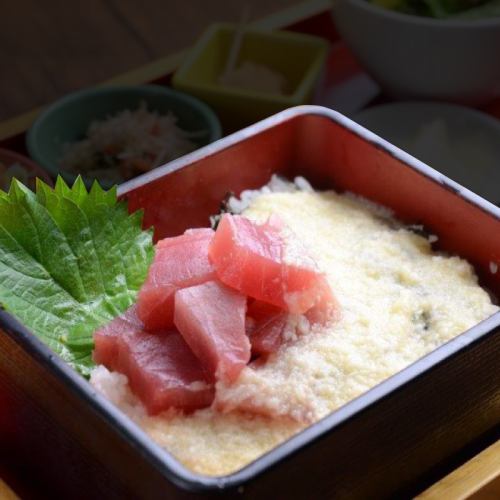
277 184
114 386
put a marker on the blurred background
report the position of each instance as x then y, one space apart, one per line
423 74
54 47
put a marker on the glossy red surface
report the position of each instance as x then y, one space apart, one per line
329 155
9 157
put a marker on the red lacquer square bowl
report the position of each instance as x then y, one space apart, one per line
385 442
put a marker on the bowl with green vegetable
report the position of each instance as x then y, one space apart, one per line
431 49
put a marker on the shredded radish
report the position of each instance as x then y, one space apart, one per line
128 144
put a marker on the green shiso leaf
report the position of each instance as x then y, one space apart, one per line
70 261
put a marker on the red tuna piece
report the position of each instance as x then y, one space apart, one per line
179 262
211 318
268 325
161 369
250 257
326 308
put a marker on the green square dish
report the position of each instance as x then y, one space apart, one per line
298 58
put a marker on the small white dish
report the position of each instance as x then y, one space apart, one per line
462 143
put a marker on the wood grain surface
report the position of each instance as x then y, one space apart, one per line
6 493
50 48
479 478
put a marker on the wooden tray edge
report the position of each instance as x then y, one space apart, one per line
478 478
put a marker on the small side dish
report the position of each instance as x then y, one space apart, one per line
9 171
230 340
113 133
128 144
270 71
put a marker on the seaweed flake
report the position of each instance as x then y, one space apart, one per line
422 320
224 208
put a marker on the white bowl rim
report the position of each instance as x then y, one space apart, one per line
480 116
422 20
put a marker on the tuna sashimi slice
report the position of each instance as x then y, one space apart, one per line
327 307
251 258
268 336
161 369
267 328
109 338
179 262
211 318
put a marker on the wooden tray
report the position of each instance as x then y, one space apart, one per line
479 478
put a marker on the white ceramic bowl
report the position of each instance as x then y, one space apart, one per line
460 142
412 56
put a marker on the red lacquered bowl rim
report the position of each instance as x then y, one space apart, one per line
6 155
